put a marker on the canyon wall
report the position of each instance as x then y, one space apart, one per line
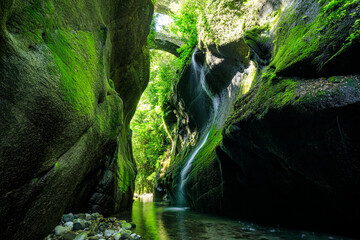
284 148
72 73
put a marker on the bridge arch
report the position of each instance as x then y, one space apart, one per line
167 43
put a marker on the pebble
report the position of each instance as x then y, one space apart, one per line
109 233
87 216
117 236
126 225
81 236
93 227
60 230
95 216
126 235
68 217
69 236
77 226
69 225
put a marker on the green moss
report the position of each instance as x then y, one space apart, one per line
109 118
75 54
126 175
254 38
271 91
111 84
297 39
207 153
334 79
322 93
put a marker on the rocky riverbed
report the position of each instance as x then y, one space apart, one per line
92 226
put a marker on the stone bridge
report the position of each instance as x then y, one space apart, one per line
167 43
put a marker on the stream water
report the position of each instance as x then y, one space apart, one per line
156 221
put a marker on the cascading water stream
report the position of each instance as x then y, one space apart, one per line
199 74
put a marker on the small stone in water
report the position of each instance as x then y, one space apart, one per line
69 225
81 236
108 233
117 236
126 225
68 217
87 224
60 230
93 238
77 226
126 235
133 235
95 216
69 236
87 216
102 228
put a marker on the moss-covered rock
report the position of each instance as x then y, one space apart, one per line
289 148
63 127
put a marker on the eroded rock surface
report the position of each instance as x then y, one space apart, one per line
288 152
71 75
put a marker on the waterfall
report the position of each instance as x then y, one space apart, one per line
199 74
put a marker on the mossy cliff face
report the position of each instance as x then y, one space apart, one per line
71 75
288 151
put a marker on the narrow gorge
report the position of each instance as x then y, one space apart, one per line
250 119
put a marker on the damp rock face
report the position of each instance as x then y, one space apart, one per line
71 75
285 146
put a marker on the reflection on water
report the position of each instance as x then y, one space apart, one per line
155 221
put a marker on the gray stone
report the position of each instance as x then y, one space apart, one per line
69 225
93 238
117 236
87 224
102 228
87 216
78 226
108 233
60 230
81 236
68 217
126 235
69 235
95 216
81 215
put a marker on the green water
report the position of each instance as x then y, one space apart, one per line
155 221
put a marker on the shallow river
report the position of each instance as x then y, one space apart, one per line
158 222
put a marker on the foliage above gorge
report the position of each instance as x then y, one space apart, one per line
150 140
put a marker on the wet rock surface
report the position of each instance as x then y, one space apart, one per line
288 152
92 226
71 75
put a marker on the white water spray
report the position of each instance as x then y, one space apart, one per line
199 73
